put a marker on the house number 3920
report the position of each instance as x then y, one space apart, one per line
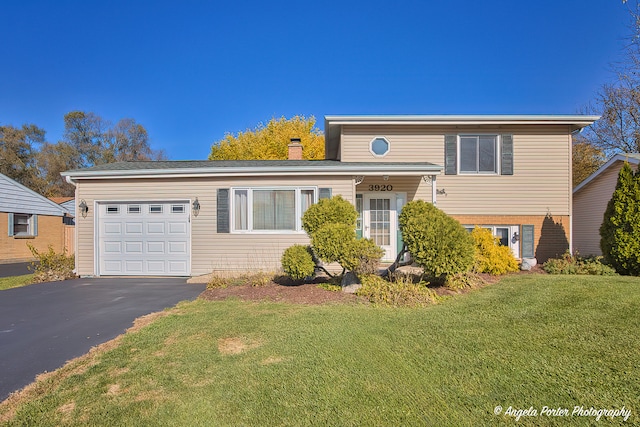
378 187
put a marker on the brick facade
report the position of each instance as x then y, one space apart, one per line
50 232
551 233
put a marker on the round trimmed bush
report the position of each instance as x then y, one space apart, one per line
491 257
437 242
364 257
297 262
333 242
335 210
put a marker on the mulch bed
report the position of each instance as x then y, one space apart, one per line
289 291
308 293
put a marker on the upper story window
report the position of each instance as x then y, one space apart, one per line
379 146
488 154
270 209
478 153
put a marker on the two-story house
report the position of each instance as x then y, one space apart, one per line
511 174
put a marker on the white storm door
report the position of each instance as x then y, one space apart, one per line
381 222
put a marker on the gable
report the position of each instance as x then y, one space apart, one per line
16 198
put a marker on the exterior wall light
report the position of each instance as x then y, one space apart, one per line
515 238
84 209
196 207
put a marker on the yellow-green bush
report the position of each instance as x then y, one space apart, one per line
491 257
52 266
399 291
297 262
438 243
364 257
335 210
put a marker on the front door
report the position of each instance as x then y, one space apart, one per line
380 222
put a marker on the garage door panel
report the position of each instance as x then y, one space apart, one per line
134 267
177 267
156 267
178 228
111 247
177 247
144 239
113 267
133 247
155 227
111 228
133 228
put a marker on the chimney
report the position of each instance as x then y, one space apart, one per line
295 149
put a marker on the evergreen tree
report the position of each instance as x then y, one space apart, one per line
620 229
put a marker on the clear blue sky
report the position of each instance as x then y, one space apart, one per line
190 71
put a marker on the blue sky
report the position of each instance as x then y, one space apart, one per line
190 71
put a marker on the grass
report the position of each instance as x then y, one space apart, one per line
528 341
15 281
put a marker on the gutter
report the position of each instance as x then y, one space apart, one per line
382 169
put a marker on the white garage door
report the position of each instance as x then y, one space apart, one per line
144 239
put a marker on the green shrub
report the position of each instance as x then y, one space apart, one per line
437 242
364 257
333 242
52 266
297 262
491 257
569 264
399 291
620 229
335 210
330 287
464 280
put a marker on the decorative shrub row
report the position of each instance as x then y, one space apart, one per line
570 264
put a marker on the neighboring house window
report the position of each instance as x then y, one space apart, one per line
23 225
479 154
379 146
270 209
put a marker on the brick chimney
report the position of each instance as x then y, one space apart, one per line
295 149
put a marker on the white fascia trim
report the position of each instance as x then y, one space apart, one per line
610 162
239 172
576 120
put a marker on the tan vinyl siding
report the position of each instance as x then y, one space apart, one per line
589 204
414 186
209 250
541 182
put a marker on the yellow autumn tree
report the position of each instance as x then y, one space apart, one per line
270 141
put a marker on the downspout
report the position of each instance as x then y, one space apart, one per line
433 190
75 233
575 132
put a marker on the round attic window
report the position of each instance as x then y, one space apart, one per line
379 146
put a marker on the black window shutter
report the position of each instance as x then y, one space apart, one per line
450 155
223 210
527 241
325 193
507 155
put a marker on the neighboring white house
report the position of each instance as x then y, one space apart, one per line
590 200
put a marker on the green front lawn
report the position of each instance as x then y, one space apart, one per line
528 341
15 281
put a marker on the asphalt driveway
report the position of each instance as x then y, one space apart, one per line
42 326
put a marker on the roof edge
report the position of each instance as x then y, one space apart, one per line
620 157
